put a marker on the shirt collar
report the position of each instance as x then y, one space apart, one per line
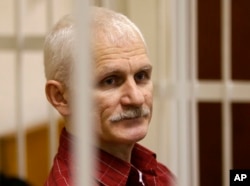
114 171
111 170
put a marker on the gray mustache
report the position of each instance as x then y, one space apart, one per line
130 114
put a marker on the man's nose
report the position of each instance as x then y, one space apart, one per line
132 94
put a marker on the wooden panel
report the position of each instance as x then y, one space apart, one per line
9 158
37 156
210 144
209 39
240 40
241 137
37 143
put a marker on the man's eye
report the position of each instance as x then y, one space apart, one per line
141 76
109 81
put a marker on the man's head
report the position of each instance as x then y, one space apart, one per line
122 89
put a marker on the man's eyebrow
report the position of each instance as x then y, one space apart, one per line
147 67
107 68
113 69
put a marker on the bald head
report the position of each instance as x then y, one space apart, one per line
107 27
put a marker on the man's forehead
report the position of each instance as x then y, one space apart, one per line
103 51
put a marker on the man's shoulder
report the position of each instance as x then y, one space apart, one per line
59 174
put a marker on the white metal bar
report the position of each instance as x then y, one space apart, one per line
21 142
52 117
167 144
182 45
226 104
82 97
160 76
106 3
50 15
174 55
193 95
52 134
214 91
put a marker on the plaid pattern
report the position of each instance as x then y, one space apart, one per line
112 171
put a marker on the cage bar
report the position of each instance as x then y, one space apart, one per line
226 101
193 95
21 141
82 98
182 60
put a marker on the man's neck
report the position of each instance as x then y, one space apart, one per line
122 152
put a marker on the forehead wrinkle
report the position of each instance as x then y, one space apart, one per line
106 53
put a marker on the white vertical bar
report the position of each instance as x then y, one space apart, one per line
50 15
52 117
226 105
182 45
161 79
174 54
52 134
164 89
161 44
82 97
21 142
106 3
193 96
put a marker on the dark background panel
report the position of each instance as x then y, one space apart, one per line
210 143
209 40
241 135
240 40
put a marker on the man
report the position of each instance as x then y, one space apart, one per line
122 93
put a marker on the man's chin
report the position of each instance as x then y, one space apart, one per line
136 136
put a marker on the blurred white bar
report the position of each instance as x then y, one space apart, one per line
167 143
160 76
50 13
52 134
107 4
182 60
21 142
51 112
193 95
174 54
82 99
226 102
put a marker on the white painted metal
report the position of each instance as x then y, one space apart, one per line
165 90
226 101
182 59
21 142
161 66
107 3
174 154
82 98
52 116
49 13
52 134
193 95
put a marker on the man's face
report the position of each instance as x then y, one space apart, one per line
122 93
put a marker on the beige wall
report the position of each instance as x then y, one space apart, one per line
34 104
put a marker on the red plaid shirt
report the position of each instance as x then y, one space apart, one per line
112 171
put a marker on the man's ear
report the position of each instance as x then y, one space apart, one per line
56 94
